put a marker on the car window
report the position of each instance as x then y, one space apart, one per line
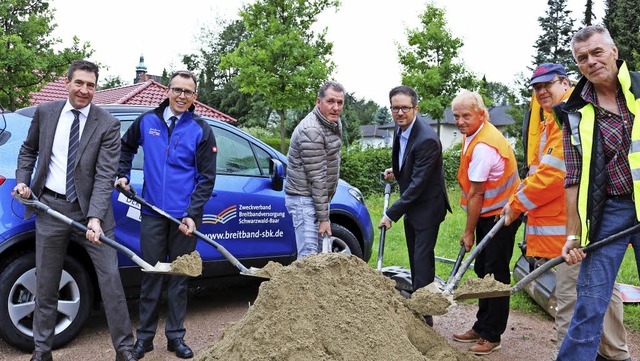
235 155
263 159
125 123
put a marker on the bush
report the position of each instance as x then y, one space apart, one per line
275 143
361 167
451 161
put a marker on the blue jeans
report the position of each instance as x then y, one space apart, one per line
305 223
596 280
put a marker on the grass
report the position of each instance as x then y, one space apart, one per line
448 246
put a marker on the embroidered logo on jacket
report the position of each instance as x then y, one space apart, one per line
155 132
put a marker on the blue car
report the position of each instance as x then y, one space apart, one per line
246 215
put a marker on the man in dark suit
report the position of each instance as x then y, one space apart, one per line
76 145
417 166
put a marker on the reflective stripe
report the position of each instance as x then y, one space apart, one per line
546 230
574 123
525 201
635 146
532 169
554 162
543 141
498 205
635 174
491 193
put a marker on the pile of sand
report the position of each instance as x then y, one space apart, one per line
330 307
188 264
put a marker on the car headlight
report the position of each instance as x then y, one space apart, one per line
355 192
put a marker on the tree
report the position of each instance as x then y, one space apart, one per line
589 16
27 60
622 19
430 64
383 116
112 81
282 59
554 44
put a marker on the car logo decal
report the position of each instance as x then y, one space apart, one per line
222 217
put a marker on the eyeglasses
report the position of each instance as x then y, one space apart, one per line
395 110
538 87
187 93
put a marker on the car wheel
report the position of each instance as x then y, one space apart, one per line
343 241
17 302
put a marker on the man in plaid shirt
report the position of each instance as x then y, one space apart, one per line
601 189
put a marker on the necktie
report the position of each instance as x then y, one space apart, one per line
402 146
74 140
173 124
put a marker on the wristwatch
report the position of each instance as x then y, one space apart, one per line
573 237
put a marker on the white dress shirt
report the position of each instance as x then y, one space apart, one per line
57 175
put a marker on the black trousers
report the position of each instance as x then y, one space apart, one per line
162 241
493 313
421 244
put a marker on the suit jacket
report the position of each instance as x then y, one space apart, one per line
96 160
423 199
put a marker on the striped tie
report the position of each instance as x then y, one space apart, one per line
74 140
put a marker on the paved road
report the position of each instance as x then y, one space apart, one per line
209 311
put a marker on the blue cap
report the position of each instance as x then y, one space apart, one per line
546 72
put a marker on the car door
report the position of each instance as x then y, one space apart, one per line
245 215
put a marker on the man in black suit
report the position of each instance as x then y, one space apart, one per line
77 146
417 166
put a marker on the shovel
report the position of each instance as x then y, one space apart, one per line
383 231
161 268
452 283
545 267
253 271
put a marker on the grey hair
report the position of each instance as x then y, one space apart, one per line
587 32
330 84
472 99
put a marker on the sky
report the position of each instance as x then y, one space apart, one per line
498 35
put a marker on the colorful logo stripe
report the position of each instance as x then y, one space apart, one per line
222 217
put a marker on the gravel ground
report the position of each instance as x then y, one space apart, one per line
527 337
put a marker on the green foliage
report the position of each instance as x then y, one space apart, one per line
451 163
27 58
274 142
431 65
361 167
554 44
110 82
282 58
383 116
622 19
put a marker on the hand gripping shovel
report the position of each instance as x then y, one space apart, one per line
383 231
453 282
545 267
253 271
162 268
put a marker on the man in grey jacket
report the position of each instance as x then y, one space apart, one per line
314 167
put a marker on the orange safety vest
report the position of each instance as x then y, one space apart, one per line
496 192
541 194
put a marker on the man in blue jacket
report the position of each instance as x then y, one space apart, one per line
179 174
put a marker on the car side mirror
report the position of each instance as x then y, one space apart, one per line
276 172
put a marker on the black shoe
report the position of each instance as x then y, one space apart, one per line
428 320
41 356
126 355
141 347
181 349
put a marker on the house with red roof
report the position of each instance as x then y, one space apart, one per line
147 92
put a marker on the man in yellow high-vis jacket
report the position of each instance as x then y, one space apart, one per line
602 159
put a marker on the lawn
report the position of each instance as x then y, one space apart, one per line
448 246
